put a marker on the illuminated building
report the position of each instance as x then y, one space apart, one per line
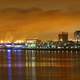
19 41
32 43
63 36
77 35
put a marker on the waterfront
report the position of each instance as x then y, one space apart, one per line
39 65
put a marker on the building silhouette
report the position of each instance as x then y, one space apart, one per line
77 35
63 36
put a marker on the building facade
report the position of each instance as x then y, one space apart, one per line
63 36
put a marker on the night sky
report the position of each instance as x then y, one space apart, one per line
20 19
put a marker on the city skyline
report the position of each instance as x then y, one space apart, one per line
39 39
58 37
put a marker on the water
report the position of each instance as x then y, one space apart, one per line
39 65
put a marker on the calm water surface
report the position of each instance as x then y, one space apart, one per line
39 65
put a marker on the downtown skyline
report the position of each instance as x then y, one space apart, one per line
56 37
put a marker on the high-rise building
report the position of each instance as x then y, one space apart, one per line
77 34
63 36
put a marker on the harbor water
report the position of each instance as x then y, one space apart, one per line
39 65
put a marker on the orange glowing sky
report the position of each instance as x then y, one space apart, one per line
21 19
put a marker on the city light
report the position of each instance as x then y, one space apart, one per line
62 43
19 41
1 41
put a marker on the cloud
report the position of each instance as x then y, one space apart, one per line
29 22
19 10
35 10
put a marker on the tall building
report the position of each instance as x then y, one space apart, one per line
77 34
63 36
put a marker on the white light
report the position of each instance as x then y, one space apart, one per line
9 45
59 47
9 50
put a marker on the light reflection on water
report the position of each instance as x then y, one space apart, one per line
9 64
39 65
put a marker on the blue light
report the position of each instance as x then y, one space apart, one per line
19 50
9 50
15 51
9 64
